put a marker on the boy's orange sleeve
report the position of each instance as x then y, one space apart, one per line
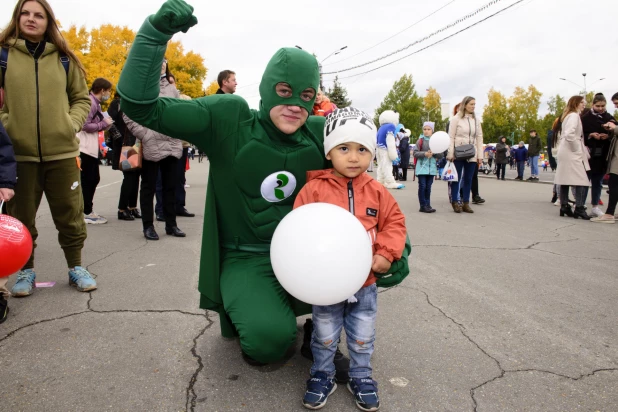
303 197
392 232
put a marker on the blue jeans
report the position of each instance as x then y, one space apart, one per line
359 321
521 166
597 186
424 189
534 165
465 170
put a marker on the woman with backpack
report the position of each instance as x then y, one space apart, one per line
45 107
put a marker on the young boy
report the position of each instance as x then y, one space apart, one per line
8 179
426 167
349 143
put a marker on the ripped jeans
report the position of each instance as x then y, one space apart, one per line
359 321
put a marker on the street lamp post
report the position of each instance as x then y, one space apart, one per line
336 52
585 89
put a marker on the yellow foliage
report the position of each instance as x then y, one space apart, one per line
212 88
103 51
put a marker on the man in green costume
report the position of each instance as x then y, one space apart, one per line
258 163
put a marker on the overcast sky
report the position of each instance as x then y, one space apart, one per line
535 42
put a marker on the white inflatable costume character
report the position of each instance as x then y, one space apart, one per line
387 149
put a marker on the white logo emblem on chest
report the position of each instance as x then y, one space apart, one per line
278 186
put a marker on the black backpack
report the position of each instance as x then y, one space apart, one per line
4 62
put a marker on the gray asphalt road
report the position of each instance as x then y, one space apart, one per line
512 308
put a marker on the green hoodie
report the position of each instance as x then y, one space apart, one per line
44 108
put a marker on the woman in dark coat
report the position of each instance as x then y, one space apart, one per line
404 154
596 138
127 204
501 158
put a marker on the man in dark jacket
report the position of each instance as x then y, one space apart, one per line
227 82
8 179
521 155
534 150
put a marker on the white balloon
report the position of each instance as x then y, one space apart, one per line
321 254
439 142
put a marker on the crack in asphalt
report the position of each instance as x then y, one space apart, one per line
503 372
191 395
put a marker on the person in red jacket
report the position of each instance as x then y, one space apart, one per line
323 106
349 143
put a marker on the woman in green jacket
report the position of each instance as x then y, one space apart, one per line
46 103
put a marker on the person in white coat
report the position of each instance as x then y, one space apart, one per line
465 129
572 159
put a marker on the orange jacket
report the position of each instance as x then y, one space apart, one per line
325 108
373 205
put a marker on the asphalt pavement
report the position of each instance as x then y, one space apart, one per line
512 308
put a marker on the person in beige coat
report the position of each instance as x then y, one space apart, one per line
160 152
464 129
572 159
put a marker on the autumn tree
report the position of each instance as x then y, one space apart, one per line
432 109
338 94
556 105
404 99
524 110
496 117
212 88
103 51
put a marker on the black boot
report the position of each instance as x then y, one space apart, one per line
566 210
4 308
580 212
305 349
554 198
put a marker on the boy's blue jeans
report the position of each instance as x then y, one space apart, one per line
359 321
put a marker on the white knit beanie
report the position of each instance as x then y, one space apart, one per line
349 125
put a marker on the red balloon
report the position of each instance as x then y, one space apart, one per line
15 245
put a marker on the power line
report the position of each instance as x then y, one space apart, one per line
466 17
394 35
433 44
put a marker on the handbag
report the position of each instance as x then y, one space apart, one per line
130 156
466 151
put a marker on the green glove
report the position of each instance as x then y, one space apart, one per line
174 16
399 269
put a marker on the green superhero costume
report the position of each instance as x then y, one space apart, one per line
256 171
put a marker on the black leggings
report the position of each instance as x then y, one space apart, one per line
581 192
501 169
613 194
90 179
129 190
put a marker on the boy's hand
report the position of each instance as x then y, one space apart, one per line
6 194
174 16
428 154
380 264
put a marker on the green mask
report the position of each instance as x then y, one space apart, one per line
295 67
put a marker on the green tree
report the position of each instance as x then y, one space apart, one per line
432 109
404 99
556 105
496 117
524 111
338 94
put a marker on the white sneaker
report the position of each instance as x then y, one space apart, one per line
187 186
557 203
94 219
596 212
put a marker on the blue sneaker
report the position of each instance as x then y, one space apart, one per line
25 283
82 279
318 389
365 393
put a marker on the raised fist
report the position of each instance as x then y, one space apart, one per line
174 16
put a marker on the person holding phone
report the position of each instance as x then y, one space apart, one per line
612 169
596 138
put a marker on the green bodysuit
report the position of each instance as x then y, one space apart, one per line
256 171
